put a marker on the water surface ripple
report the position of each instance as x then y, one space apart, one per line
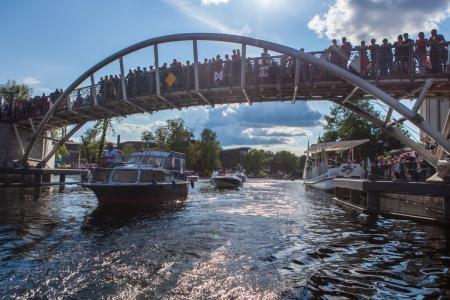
270 240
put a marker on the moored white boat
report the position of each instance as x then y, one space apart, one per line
320 171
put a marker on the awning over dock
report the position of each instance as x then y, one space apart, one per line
335 146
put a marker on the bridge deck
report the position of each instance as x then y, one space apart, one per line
314 90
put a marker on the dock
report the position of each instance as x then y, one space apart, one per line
429 201
34 177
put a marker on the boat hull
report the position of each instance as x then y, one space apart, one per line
139 194
324 185
227 182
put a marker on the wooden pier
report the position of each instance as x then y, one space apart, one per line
417 200
34 177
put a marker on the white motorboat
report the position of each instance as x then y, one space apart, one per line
226 180
320 171
242 176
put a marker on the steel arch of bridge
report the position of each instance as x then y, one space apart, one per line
408 114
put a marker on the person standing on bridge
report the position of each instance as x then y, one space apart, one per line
218 71
334 52
346 49
421 52
386 58
374 49
437 48
400 55
409 51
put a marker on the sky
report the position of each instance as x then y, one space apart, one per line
47 44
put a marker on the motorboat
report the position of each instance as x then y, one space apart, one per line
191 176
320 170
148 177
242 176
224 180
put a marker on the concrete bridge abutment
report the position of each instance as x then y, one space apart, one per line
12 143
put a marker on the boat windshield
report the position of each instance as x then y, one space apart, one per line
146 159
125 176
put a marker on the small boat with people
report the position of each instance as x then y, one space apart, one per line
148 177
320 168
225 179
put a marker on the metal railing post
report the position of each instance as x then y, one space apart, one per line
243 65
157 79
93 90
196 76
122 79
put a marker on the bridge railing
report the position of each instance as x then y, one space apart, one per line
371 63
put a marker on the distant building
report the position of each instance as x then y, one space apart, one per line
231 157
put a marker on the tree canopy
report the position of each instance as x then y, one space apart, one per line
259 163
21 91
343 125
173 136
201 156
209 152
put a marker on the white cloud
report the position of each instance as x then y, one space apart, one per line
133 131
362 20
214 2
194 12
31 81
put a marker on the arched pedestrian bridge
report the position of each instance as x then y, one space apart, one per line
291 76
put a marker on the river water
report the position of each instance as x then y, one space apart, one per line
270 240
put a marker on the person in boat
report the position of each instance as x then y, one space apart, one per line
109 156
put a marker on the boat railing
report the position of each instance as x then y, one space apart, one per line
316 171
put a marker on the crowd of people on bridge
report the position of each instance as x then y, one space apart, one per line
403 58
28 108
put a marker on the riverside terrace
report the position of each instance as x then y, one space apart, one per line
267 78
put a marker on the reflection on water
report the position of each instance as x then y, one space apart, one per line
270 240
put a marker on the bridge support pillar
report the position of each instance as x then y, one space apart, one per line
11 150
373 200
446 209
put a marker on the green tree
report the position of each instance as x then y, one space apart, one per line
103 128
21 92
173 136
127 150
209 152
192 156
148 138
89 145
254 162
285 162
342 125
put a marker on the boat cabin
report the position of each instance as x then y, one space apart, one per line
145 167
